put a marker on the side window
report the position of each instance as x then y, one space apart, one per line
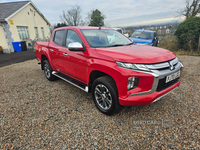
72 36
58 37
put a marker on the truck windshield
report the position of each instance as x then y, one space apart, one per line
105 38
142 35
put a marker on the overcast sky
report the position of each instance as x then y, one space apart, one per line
118 12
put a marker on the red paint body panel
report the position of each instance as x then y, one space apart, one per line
145 99
79 65
137 54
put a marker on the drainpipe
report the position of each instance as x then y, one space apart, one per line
5 37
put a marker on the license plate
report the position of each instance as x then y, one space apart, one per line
173 76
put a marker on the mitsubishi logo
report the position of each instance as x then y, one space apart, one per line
171 66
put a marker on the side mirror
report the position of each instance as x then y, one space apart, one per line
156 38
76 46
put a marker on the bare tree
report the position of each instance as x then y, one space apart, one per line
191 9
88 18
73 16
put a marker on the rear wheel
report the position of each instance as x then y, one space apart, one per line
48 70
105 95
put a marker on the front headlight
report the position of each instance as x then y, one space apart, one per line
132 66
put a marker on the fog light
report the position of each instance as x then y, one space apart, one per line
132 83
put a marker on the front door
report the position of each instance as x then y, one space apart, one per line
74 62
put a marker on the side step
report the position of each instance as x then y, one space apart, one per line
72 81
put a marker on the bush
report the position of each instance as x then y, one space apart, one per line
188 34
170 44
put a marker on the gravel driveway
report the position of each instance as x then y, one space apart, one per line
38 114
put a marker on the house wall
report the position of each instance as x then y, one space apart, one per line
30 18
3 43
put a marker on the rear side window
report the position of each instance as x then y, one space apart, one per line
58 37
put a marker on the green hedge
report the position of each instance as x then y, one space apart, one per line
188 34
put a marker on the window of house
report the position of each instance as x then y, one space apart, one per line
42 29
72 36
23 32
58 37
36 32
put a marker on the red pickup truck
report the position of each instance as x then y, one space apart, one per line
106 63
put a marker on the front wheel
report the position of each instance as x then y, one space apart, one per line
105 95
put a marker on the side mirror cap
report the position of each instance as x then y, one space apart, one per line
75 46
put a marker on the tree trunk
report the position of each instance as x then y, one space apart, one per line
191 50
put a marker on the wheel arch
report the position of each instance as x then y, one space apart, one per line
43 57
96 74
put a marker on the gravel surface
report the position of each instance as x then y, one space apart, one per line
38 114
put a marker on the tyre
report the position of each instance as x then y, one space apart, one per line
48 70
105 95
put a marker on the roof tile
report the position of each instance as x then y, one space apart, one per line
7 9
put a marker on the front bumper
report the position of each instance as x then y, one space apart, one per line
141 100
158 89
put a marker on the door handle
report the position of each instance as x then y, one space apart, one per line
51 50
65 54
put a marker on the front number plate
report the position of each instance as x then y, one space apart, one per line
173 76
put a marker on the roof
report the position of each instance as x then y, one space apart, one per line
7 10
82 28
145 30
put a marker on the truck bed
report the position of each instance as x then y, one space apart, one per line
45 44
40 47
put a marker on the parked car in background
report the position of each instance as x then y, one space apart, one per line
121 31
145 37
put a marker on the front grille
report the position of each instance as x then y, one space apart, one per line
163 65
163 85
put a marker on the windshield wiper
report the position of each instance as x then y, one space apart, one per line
115 45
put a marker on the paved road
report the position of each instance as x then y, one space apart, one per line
8 59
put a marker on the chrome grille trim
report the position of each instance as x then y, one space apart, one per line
158 66
174 61
162 65
160 74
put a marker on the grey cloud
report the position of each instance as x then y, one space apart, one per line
115 10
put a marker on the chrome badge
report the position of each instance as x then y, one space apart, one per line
171 66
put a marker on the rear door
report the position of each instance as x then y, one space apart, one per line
55 49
